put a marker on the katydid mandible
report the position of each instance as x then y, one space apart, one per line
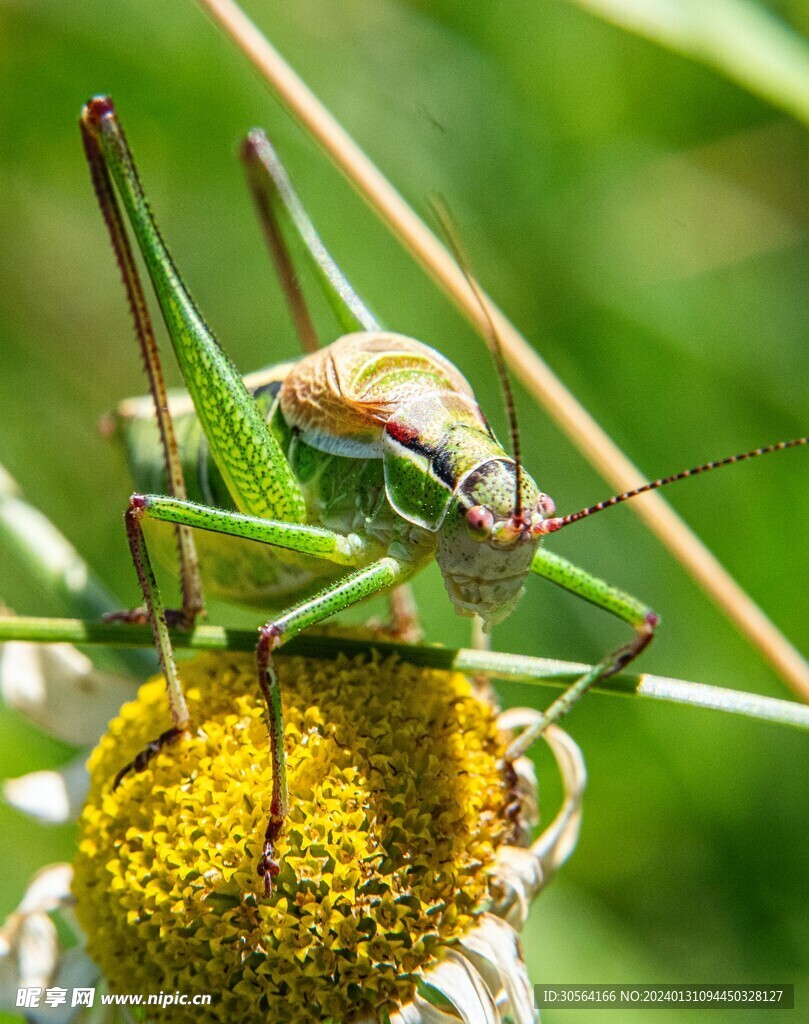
352 468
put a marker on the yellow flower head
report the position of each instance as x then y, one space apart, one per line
399 800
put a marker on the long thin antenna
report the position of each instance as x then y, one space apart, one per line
552 525
447 225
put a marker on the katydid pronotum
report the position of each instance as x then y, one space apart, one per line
352 468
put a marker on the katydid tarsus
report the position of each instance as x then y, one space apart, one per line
352 467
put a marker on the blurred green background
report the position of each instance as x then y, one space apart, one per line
640 218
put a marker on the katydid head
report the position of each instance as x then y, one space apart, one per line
446 474
489 537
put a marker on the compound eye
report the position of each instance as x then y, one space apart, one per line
480 522
546 505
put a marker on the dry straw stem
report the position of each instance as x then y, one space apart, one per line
554 397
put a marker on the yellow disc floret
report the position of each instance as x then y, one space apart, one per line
399 799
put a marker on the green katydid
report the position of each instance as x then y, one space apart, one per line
352 468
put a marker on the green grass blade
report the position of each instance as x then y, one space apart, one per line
55 566
512 667
46 556
742 41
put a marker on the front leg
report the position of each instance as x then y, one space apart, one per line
577 581
371 579
156 616
309 540
190 583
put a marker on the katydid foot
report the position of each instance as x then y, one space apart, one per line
176 618
149 752
268 865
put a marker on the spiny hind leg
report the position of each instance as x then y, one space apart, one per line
280 210
191 585
267 195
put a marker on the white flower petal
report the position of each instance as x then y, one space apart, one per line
426 1013
420 1011
37 950
28 944
29 950
516 879
494 950
28 939
52 797
407 1014
458 981
60 690
47 890
559 839
75 970
518 718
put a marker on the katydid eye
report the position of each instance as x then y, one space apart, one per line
480 522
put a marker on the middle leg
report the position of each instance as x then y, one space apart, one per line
362 583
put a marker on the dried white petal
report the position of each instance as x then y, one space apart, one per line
494 950
518 875
458 982
60 690
513 721
52 797
527 792
516 879
559 839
